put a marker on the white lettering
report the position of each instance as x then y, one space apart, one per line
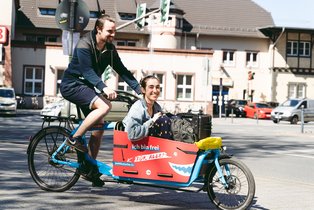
154 156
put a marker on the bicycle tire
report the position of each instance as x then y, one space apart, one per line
48 175
241 191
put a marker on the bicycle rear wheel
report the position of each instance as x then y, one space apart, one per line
241 185
47 174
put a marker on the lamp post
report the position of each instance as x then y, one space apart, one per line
250 76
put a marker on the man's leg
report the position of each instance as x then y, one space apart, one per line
94 143
100 108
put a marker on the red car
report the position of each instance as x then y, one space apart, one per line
258 110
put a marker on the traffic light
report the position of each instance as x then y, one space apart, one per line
140 12
164 10
251 75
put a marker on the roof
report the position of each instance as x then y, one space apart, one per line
273 32
209 17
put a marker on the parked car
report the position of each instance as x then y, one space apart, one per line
258 110
291 110
120 107
236 107
7 101
272 104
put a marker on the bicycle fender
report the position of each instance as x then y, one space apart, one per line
31 138
225 156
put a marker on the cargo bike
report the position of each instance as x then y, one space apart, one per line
151 161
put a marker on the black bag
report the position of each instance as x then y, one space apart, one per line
202 123
182 130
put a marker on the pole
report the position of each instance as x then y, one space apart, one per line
73 4
136 19
302 119
220 96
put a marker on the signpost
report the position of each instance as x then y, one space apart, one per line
72 16
3 34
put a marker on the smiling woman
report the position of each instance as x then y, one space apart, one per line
145 117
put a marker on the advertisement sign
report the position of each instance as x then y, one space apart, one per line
3 34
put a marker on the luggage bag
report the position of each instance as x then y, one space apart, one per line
202 123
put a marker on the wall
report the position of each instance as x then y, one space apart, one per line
136 60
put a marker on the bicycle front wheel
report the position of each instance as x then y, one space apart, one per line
47 174
240 190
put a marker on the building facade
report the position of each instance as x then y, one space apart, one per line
203 55
291 62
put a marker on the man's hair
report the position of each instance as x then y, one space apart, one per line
102 19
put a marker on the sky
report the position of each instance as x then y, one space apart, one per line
290 13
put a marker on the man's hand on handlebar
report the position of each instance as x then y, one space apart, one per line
109 93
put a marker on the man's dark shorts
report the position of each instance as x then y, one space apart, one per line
79 94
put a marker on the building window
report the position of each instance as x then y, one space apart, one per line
296 90
47 11
127 16
94 14
228 58
292 48
51 38
162 81
304 49
33 80
40 38
122 85
179 23
184 87
251 59
130 43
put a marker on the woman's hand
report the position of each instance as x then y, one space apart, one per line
110 94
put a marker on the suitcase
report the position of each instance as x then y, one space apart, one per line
202 123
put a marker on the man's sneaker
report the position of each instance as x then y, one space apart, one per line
77 143
97 182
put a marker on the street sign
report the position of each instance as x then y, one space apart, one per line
3 34
66 41
72 15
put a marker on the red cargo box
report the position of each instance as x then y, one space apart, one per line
153 158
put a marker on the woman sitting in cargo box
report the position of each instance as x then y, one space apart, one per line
145 117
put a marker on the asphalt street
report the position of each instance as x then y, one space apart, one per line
279 156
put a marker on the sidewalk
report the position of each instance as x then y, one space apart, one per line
267 127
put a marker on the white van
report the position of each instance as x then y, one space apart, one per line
7 101
291 109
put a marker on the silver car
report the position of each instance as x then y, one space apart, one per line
7 101
294 110
120 107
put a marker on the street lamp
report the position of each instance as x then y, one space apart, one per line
249 78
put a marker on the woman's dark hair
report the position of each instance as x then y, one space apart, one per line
143 81
101 20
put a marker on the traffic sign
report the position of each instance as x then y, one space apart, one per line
72 15
3 34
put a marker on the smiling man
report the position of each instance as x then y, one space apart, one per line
93 55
